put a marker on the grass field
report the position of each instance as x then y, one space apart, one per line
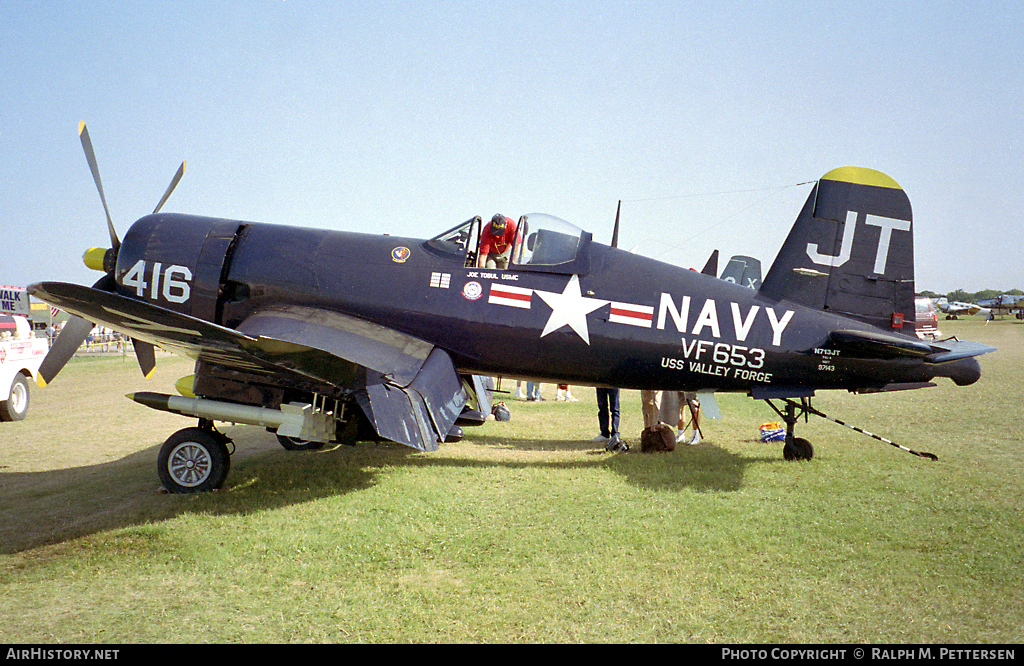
524 531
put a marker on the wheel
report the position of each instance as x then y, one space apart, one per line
296 444
193 460
798 449
16 406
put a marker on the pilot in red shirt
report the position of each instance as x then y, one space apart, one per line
496 242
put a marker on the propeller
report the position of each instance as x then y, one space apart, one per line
77 329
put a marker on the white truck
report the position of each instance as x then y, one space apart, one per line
21 353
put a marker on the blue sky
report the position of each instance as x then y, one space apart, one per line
409 117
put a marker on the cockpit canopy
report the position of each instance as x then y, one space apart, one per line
544 243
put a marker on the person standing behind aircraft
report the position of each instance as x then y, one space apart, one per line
496 242
651 406
608 419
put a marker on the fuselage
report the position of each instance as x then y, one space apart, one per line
604 317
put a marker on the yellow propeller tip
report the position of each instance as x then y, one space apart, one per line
40 381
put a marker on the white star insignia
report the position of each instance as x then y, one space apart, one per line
569 308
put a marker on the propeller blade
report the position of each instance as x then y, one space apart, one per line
64 347
90 156
146 354
71 337
170 188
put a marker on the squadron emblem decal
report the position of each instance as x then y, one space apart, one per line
472 291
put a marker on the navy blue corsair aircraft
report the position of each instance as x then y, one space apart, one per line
335 336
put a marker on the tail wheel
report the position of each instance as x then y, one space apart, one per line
193 460
798 449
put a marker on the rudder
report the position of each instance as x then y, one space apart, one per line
851 251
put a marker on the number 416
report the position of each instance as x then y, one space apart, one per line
174 281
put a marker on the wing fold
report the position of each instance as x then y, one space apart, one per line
409 390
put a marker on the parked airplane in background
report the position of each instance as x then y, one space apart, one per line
322 335
958 308
1005 304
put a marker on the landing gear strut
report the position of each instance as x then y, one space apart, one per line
795 448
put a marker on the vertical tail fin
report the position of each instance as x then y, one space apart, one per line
851 251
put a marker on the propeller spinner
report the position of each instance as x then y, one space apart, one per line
77 329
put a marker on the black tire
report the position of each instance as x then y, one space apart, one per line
296 444
193 460
798 449
16 406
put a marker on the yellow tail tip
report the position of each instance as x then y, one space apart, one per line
862 176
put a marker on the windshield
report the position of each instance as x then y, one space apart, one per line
549 240
461 240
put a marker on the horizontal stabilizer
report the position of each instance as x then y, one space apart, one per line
954 350
877 344
881 345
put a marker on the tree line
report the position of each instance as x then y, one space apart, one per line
972 296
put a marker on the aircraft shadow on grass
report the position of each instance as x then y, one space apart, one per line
56 506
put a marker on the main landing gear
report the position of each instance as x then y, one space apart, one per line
194 460
797 448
